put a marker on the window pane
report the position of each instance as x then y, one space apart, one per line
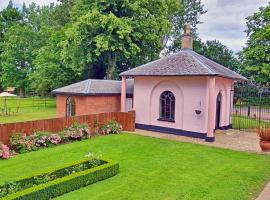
167 105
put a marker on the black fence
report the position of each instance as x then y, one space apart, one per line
251 106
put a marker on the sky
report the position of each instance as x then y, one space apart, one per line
224 21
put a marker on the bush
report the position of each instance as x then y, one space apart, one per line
21 143
67 184
78 132
5 152
113 127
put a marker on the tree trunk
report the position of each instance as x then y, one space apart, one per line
22 93
111 70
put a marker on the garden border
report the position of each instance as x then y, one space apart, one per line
126 119
66 184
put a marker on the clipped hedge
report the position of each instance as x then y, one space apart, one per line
68 183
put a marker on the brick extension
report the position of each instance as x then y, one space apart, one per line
90 104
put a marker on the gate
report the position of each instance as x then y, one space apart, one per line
251 106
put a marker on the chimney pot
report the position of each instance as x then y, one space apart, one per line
187 40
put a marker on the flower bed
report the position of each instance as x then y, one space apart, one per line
58 181
22 143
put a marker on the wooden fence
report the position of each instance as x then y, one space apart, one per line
127 120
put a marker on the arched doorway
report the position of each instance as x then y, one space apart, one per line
218 110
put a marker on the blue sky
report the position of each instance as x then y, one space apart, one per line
224 21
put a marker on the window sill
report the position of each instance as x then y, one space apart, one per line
166 120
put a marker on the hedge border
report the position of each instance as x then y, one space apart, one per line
67 184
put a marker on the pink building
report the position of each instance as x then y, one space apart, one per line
183 93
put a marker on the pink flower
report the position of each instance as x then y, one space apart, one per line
5 152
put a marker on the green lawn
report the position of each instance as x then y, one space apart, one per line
27 109
154 169
241 122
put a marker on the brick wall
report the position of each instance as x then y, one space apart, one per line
90 104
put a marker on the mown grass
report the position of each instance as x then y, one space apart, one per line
241 122
155 169
27 109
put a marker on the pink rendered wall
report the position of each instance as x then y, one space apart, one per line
191 94
224 86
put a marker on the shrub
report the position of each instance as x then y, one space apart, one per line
5 152
78 131
41 139
21 143
264 134
113 127
68 183
16 141
54 139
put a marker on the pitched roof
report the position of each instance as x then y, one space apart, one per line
183 63
95 87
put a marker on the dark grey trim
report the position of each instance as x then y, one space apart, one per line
132 75
209 139
90 94
171 131
166 120
225 127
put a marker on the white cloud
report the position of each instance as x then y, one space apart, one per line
4 3
225 20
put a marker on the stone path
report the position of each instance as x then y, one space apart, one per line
265 195
230 139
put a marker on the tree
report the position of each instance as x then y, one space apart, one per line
50 72
217 52
256 55
18 53
8 17
62 13
104 35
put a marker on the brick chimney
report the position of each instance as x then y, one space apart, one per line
187 40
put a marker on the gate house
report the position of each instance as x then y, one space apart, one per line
183 93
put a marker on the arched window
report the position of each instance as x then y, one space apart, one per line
167 106
70 106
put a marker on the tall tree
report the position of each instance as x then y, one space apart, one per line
50 72
217 52
8 17
105 34
18 53
256 55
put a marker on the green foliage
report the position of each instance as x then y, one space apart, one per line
18 54
47 47
8 17
256 55
109 33
113 127
217 52
60 180
50 71
22 143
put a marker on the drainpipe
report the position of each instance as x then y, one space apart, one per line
211 109
123 94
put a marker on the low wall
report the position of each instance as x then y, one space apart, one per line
127 120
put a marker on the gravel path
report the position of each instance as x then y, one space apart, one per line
230 139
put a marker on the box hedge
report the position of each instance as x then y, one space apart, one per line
68 183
